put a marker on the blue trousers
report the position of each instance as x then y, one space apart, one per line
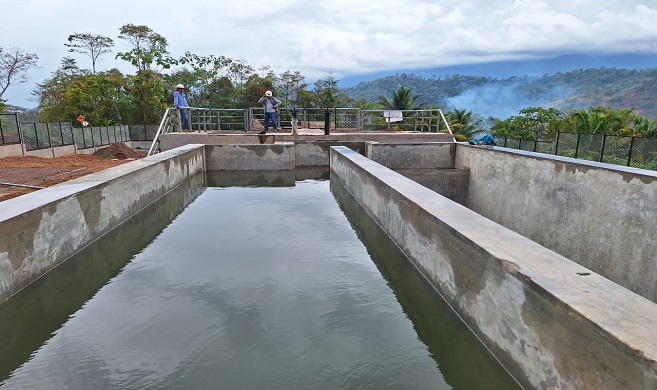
272 116
184 118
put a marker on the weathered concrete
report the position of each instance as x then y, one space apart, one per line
602 216
248 157
450 183
41 229
316 153
173 140
56 151
434 155
11 150
552 322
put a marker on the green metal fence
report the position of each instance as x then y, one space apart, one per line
636 152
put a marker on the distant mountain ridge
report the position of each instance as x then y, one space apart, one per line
487 96
506 69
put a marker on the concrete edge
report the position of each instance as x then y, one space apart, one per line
622 317
41 229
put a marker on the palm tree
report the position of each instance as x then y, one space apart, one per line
401 100
462 122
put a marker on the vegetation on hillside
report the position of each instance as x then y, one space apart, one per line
614 101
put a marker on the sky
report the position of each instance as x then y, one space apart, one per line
340 37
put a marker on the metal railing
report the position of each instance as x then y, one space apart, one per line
348 119
636 152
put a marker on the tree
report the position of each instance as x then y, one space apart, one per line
91 45
148 47
14 64
327 94
206 83
401 100
462 122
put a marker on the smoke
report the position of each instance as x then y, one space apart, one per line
502 99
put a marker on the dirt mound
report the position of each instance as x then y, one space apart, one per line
120 151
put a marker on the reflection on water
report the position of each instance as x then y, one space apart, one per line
462 359
30 317
251 288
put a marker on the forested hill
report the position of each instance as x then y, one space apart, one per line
501 98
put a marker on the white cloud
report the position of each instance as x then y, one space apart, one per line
346 37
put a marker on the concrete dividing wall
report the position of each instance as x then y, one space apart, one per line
174 140
551 322
41 229
316 153
602 216
435 155
276 157
450 183
429 164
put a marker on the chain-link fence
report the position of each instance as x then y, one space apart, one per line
87 137
142 132
46 135
636 152
49 135
9 129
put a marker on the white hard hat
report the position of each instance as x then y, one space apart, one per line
268 93
180 86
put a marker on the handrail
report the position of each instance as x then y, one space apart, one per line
445 121
159 131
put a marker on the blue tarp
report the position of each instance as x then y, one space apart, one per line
487 139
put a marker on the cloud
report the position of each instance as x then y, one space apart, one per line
344 37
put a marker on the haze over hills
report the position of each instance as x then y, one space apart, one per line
501 89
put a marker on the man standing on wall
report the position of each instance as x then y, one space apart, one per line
180 103
269 103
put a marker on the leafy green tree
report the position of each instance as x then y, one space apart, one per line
101 97
327 94
14 64
401 100
147 100
462 122
90 45
207 83
148 48
239 73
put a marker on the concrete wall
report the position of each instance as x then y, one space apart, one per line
551 322
174 140
429 164
450 183
11 150
316 153
602 216
412 155
248 157
41 229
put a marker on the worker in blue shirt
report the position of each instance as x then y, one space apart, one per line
180 103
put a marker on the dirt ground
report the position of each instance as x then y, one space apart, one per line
44 172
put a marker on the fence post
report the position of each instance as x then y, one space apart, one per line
602 148
629 157
61 133
49 135
577 145
556 143
72 134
